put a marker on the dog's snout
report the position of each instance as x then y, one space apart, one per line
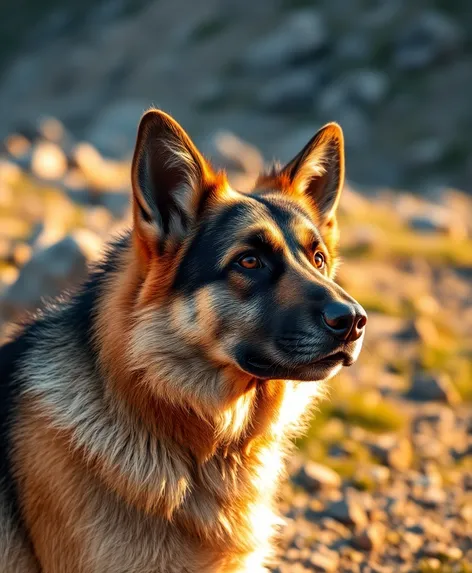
345 321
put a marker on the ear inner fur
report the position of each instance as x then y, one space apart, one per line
316 173
170 180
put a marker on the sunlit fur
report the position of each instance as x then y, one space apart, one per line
138 444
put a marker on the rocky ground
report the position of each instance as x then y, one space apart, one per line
383 481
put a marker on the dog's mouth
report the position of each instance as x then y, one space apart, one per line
317 369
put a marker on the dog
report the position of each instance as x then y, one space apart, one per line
146 419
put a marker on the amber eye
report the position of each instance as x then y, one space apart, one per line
250 262
319 260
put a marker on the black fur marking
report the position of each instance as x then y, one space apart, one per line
199 266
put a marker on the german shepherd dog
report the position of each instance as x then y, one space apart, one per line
146 420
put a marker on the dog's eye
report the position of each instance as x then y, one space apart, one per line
250 262
319 260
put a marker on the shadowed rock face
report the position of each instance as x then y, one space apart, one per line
397 75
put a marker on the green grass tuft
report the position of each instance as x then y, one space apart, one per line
374 415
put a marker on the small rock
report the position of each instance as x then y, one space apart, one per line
322 562
368 87
379 474
413 541
21 253
48 161
347 511
438 220
433 387
393 452
428 447
51 129
89 243
332 525
466 513
313 477
432 477
440 418
235 153
352 554
408 332
442 551
395 506
462 453
10 174
45 275
367 477
432 564
431 498
416 528
370 539
17 145
292 554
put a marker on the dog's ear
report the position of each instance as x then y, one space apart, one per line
318 171
169 178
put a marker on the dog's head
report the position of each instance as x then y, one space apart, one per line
244 279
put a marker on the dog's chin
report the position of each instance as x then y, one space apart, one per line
318 369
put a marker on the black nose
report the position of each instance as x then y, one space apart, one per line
345 321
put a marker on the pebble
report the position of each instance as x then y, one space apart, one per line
370 539
48 161
323 563
438 221
313 477
442 551
393 452
49 271
433 387
431 498
347 511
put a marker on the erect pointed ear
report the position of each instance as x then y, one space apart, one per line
318 170
169 178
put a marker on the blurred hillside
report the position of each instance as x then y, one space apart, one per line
397 74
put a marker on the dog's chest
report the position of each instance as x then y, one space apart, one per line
225 520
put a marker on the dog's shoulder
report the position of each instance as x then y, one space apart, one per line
51 337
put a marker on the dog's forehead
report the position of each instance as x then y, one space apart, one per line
273 212
231 223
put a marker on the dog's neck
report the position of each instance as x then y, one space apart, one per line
179 394
185 412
